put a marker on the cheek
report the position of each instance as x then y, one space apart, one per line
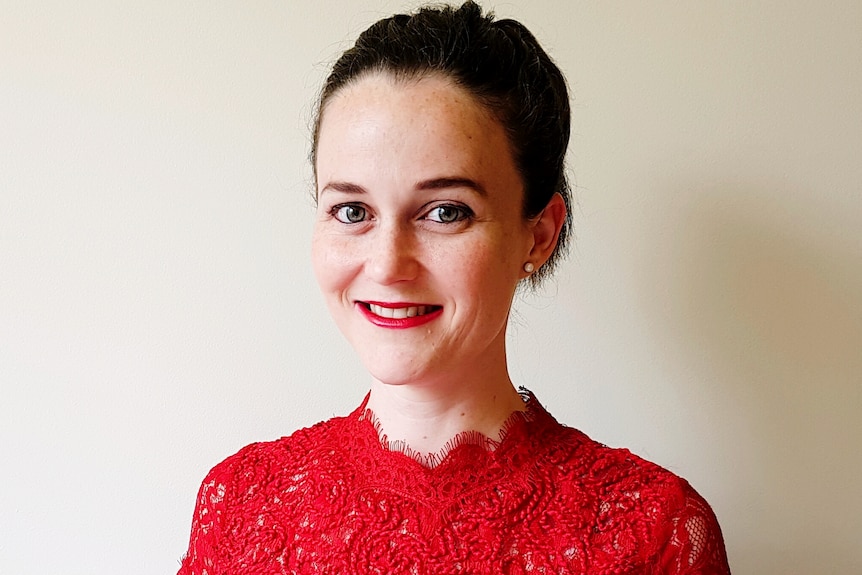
497 255
331 260
484 268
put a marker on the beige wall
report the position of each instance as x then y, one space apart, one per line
157 309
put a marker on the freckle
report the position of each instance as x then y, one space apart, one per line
463 414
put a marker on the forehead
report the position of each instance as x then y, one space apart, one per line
428 122
417 94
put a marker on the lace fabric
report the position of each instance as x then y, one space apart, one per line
543 498
465 438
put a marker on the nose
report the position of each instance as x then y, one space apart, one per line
393 255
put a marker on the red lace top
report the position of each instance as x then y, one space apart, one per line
545 498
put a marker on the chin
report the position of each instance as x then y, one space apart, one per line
389 361
393 374
386 370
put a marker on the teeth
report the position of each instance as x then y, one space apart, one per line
399 312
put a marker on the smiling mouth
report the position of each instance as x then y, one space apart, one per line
402 312
399 315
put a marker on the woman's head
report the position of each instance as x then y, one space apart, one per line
501 65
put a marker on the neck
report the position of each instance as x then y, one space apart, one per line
425 417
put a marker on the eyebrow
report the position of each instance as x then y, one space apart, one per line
432 184
442 183
344 187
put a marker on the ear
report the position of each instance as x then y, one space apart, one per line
546 230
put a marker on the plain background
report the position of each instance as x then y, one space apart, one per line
158 310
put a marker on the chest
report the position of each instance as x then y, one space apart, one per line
348 520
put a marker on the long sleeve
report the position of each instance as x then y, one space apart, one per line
696 546
201 558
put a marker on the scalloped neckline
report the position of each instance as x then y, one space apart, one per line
489 445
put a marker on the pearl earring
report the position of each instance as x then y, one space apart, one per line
529 267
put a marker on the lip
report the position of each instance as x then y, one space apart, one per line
398 322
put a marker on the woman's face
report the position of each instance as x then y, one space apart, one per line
419 240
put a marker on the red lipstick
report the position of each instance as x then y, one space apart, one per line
404 315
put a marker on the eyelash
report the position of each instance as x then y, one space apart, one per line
463 213
335 210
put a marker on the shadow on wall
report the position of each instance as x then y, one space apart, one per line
765 300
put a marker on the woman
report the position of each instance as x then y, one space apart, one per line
439 164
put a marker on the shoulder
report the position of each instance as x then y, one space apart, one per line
605 470
637 506
265 462
620 470
616 475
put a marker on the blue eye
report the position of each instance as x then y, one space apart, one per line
349 213
448 214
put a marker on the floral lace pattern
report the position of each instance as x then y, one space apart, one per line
335 498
